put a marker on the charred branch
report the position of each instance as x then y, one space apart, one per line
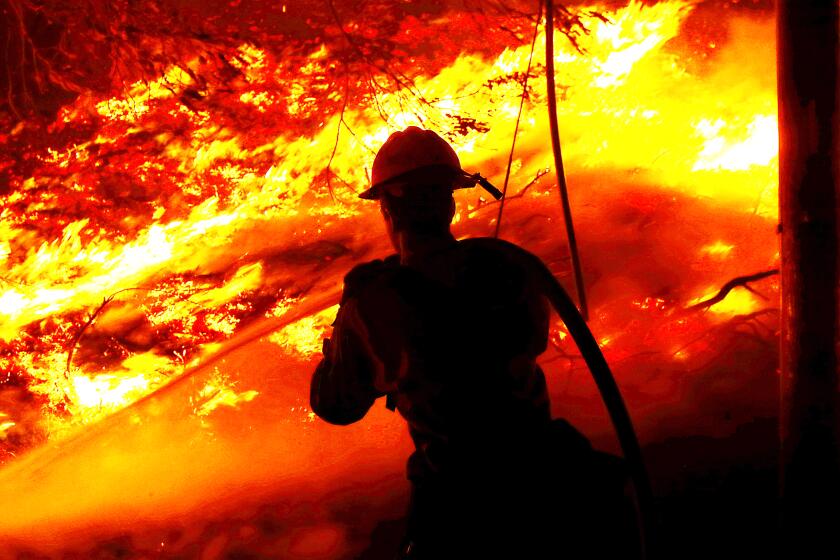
74 343
337 136
524 190
739 281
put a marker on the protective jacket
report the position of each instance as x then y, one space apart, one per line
454 348
457 355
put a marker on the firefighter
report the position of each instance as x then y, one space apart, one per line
449 332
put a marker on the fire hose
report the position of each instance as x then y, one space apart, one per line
574 318
610 394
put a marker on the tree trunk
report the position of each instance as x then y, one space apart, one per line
808 198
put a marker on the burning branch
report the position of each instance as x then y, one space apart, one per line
400 80
337 136
742 281
89 322
750 320
540 174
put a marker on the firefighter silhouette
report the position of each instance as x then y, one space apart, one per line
449 332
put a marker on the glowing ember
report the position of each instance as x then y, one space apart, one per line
718 249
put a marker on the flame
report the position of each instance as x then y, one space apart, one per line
625 98
718 249
736 302
5 425
735 149
305 337
219 391
107 389
141 96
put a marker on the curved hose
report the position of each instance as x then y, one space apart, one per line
611 396
558 158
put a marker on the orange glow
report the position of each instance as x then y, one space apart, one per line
149 264
5 424
630 106
219 391
736 302
718 249
305 337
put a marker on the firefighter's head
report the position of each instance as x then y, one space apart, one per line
413 176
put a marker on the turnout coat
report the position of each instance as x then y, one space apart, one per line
454 349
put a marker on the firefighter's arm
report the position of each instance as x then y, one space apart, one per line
342 389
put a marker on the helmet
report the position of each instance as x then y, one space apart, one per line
416 155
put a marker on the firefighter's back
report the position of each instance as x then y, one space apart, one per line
459 335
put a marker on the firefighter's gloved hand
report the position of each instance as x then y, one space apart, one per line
325 347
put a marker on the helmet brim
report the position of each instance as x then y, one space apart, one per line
431 175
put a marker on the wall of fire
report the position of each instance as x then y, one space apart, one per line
178 210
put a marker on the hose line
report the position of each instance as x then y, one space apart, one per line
594 358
